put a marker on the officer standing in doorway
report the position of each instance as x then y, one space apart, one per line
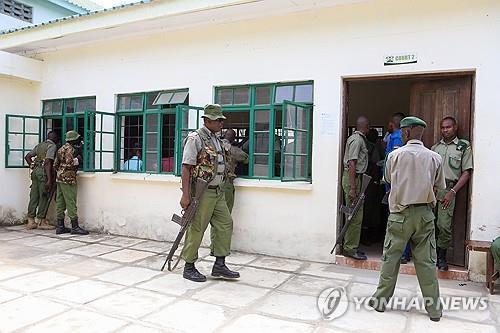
234 155
204 158
66 165
413 171
42 181
355 164
457 165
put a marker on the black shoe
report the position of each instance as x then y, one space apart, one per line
76 230
405 260
61 229
192 274
220 269
436 319
371 303
356 255
442 264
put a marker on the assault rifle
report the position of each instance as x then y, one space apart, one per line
351 211
184 221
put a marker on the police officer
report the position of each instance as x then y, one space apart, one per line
66 165
234 156
42 181
457 165
413 171
204 158
355 164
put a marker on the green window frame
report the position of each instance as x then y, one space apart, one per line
155 114
22 134
264 112
65 114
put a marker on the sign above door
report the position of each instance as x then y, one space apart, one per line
400 59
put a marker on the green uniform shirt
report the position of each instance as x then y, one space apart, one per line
456 155
355 149
44 150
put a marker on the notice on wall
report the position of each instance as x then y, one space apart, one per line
400 59
327 124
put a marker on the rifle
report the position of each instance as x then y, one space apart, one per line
184 221
351 211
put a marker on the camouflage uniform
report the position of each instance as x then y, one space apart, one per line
234 155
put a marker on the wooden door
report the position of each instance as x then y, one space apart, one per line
432 100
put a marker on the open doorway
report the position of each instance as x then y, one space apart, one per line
428 96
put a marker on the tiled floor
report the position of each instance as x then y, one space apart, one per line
105 283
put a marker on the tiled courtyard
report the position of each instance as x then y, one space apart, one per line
104 283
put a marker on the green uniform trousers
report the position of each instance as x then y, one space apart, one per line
415 225
353 233
495 251
228 188
37 197
212 209
66 200
444 221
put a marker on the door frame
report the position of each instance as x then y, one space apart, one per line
445 74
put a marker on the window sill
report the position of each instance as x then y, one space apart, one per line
273 184
83 174
148 177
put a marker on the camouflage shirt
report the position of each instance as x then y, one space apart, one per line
64 165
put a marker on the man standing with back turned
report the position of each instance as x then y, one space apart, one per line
457 166
355 165
413 172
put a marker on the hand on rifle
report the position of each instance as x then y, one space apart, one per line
185 201
352 194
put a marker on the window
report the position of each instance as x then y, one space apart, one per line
22 133
63 115
272 124
16 9
147 133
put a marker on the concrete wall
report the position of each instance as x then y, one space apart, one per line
290 220
18 97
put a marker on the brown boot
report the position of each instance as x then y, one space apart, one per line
31 223
44 225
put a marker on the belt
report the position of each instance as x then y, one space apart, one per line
418 205
213 187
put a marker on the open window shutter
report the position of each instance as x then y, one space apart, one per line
187 120
99 141
296 148
22 133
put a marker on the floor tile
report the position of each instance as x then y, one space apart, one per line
6 236
172 284
131 302
93 250
252 323
262 278
231 294
126 255
9 271
61 245
81 292
325 270
89 267
37 281
310 285
153 246
128 275
123 241
292 306
288 265
179 316
6 295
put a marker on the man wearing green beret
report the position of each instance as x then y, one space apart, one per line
457 165
413 171
204 158
355 164
66 166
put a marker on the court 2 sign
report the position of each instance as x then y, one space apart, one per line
400 59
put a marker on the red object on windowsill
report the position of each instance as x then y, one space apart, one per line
167 164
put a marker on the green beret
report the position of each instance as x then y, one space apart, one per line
72 136
213 112
412 121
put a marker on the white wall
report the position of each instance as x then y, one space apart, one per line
18 97
321 45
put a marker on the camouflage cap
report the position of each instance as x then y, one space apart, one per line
72 136
213 112
412 121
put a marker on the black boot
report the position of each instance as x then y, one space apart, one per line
76 230
61 229
442 264
192 274
220 269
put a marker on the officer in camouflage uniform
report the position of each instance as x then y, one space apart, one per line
234 156
355 165
204 158
42 181
66 165
457 165
413 172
